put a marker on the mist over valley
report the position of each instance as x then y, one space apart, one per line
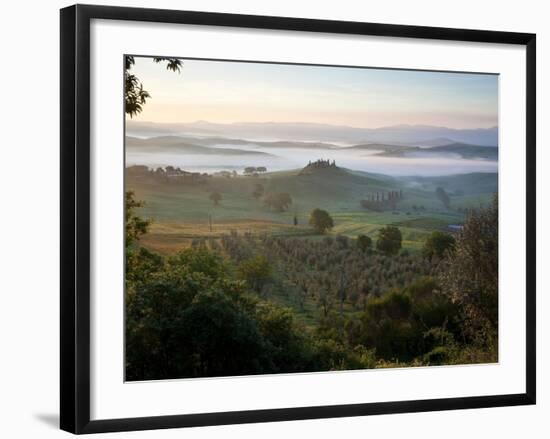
216 153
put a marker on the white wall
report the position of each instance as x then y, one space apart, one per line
29 205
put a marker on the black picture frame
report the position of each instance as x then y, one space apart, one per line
75 217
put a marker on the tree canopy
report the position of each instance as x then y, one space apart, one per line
278 201
135 225
389 240
215 197
255 271
442 196
364 242
470 276
321 221
438 244
258 191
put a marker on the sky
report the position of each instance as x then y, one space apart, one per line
226 92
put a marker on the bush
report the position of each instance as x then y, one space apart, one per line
364 242
470 276
200 260
289 349
255 271
442 196
278 201
321 221
389 240
388 328
186 323
332 355
438 244
215 197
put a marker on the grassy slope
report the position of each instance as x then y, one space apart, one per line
181 212
169 144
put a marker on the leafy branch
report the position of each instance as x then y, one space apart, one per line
135 96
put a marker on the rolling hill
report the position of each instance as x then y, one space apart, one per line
381 148
183 212
179 144
467 151
219 145
463 150
467 184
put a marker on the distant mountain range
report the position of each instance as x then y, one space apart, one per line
174 143
219 146
416 135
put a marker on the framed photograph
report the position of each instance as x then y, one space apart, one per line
268 219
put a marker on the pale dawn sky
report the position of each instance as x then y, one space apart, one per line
225 92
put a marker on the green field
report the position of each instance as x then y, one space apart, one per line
181 212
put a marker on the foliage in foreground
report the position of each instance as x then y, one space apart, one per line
208 312
438 245
183 320
470 275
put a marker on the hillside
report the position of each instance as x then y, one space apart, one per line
467 184
463 150
172 140
182 211
178 144
430 143
381 148
224 147
468 151
333 187
341 188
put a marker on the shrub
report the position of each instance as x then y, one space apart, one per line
364 242
438 244
389 240
321 221
255 271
